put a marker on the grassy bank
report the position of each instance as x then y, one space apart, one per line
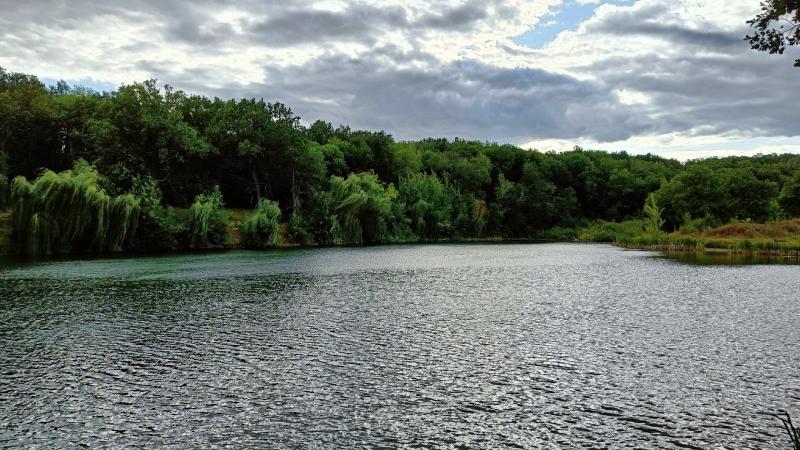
778 239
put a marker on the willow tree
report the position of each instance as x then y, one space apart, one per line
69 212
362 209
261 228
208 220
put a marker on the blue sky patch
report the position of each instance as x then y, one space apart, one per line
568 16
96 85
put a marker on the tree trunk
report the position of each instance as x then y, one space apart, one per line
257 184
295 195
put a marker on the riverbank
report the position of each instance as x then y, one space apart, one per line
772 240
234 239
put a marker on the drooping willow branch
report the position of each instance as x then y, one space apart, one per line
261 228
70 211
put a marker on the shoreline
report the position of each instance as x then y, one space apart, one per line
292 246
732 249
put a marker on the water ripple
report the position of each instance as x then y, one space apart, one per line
452 346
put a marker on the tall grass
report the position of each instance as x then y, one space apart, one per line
68 212
261 228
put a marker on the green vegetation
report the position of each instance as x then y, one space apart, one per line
261 228
777 26
168 159
781 238
208 220
68 211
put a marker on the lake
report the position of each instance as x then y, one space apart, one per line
440 346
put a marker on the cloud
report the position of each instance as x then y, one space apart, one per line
432 67
463 98
686 66
360 23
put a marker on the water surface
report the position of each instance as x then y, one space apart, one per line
534 345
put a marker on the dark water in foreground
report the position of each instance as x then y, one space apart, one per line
547 345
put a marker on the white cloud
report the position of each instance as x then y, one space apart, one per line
674 73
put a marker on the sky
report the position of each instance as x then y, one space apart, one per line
671 77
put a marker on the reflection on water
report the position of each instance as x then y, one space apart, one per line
432 346
708 258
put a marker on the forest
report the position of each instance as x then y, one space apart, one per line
151 168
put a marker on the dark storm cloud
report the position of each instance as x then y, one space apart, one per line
466 99
455 17
268 23
717 93
359 23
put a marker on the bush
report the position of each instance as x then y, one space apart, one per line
298 230
208 221
558 234
698 225
162 229
261 228
603 231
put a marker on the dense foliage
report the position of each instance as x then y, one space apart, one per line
179 155
261 228
68 211
208 220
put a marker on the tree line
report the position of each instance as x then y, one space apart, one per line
179 162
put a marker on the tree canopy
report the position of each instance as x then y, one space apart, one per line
184 159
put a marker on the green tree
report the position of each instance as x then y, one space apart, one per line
208 220
261 229
789 199
697 191
747 197
653 222
362 210
777 26
69 211
434 206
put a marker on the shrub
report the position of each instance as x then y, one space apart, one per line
557 234
603 231
298 230
208 220
261 228
162 229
